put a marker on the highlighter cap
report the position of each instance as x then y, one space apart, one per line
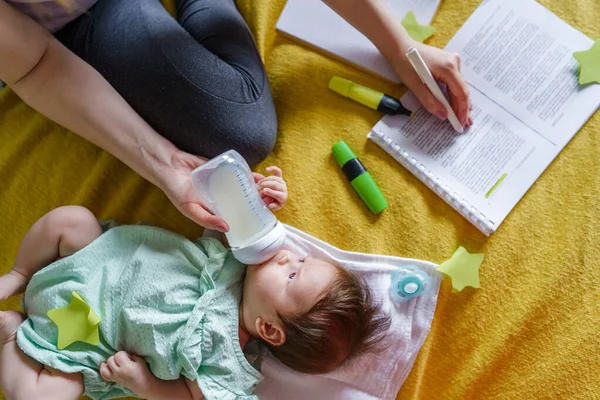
365 96
369 193
342 153
359 178
340 85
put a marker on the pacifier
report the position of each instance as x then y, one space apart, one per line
409 281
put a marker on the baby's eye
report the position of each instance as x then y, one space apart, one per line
291 276
301 260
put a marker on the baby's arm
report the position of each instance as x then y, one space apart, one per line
133 373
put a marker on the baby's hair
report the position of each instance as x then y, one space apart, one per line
344 324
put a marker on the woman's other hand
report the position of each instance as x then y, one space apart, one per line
375 20
177 185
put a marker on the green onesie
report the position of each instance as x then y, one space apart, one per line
160 296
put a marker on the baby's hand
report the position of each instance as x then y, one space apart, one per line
272 189
129 371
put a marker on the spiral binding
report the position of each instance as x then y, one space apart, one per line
450 196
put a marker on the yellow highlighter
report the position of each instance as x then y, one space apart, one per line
368 97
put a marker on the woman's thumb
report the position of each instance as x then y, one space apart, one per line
202 217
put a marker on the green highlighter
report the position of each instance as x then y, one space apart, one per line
359 178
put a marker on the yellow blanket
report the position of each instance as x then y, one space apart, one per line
530 332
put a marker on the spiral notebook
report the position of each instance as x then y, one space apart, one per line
517 59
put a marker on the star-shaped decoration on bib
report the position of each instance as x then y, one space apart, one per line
420 33
76 322
589 62
462 268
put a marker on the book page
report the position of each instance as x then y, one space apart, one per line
313 22
527 104
497 148
520 55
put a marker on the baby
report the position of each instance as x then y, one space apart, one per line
175 315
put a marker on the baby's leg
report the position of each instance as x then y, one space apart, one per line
23 378
58 234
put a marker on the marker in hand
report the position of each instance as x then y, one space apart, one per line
427 78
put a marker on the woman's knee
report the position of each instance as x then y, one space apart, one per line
258 142
250 130
254 138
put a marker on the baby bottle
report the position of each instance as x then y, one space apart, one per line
409 281
225 184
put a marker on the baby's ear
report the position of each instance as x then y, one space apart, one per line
270 332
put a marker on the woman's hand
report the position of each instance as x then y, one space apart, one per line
49 78
374 19
272 189
177 185
445 67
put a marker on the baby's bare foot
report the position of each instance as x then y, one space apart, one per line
129 371
12 283
9 324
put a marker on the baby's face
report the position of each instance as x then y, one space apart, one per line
285 285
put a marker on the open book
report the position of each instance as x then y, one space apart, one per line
517 58
315 24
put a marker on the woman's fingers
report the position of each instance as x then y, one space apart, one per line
197 213
460 100
444 67
427 99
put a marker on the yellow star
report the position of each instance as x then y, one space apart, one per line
463 268
418 32
589 62
76 322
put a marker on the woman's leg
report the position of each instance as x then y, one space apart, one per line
199 82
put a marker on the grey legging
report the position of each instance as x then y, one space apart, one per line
198 79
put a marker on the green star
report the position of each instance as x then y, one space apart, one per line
418 32
76 322
463 268
589 61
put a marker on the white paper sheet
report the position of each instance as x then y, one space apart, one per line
313 22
